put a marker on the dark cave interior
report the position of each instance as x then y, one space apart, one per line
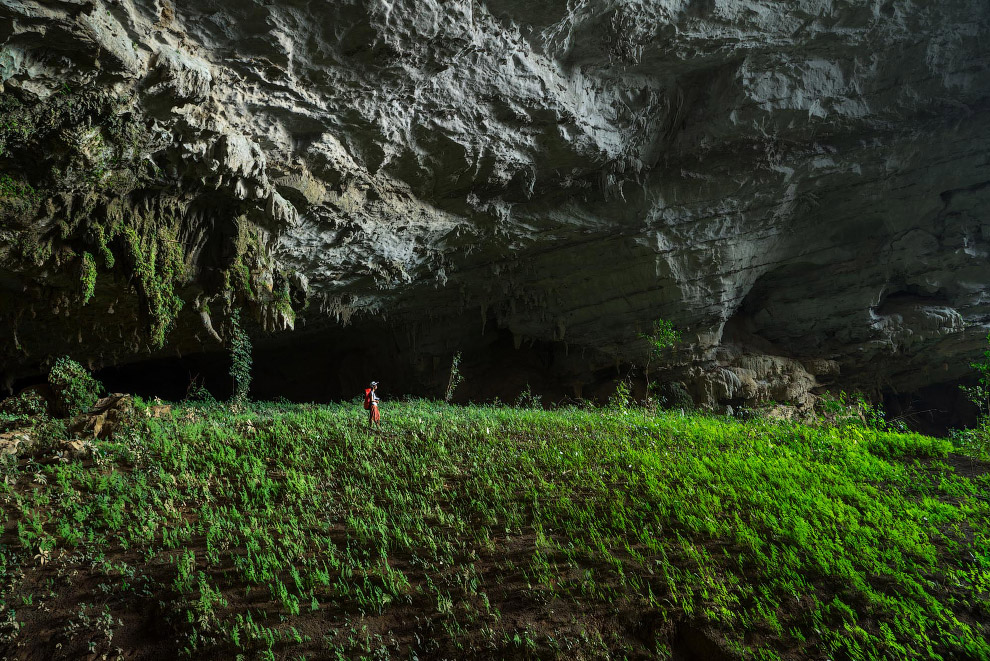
321 368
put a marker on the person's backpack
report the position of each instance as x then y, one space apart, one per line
367 399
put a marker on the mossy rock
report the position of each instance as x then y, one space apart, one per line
674 395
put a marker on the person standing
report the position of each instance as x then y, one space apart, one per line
371 403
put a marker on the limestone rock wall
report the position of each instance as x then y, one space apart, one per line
788 181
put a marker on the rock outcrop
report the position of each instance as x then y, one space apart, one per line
802 186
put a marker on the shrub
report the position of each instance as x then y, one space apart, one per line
25 408
619 400
674 396
198 392
75 390
29 402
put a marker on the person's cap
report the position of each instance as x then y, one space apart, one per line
374 383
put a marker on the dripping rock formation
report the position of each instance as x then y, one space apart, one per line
801 186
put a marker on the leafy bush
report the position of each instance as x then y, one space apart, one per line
74 388
974 442
24 409
673 396
198 392
662 336
619 400
29 402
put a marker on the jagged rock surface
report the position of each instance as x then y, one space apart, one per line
804 186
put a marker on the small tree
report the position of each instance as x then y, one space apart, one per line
240 359
662 338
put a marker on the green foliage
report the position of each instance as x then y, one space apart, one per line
237 278
100 158
527 399
159 266
27 403
673 395
980 393
87 276
240 359
283 299
976 441
17 196
103 243
16 124
24 409
619 400
854 409
198 392
661 339
75 389
455 377
260 523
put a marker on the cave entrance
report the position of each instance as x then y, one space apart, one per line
934 410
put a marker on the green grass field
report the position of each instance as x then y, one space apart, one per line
290 531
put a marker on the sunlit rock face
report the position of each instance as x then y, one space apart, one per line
802 186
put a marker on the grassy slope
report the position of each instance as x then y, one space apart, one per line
493 532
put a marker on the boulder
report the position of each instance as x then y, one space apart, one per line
109 415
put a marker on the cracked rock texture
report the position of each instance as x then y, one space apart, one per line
802 186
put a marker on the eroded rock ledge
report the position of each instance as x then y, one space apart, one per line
803 186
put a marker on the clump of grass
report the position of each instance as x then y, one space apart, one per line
496 532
